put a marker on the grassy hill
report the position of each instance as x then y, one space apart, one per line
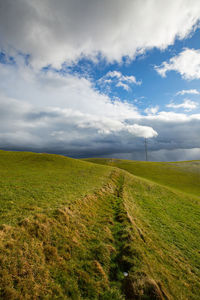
72 229
184 176
32 183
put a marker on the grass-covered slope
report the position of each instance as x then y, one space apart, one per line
76 230
31 183
54 233
166 217
168 223
184 176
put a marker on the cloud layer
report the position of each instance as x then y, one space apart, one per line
66 114
77 134
52 32
81 121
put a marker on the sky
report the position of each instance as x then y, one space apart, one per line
90 78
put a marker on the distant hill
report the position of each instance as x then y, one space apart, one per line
73 229
184 175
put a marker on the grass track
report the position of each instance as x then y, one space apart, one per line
167 216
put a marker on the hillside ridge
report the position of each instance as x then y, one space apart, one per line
181 176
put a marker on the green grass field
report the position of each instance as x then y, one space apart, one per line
32 183
184 176
104 229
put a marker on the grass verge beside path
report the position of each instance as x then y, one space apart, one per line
166 222
167 237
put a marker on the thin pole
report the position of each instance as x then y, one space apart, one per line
146 153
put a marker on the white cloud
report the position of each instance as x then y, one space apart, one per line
152 110
187 63
172 117
144 131
123 85
107 126
119 80
114 74
187 105
130 79
192 91
52 32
